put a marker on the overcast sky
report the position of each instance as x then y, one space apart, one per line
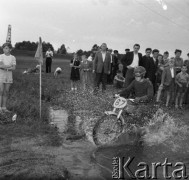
83 23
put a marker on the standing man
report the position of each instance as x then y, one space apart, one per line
130 61
102 67
151 64
115 63
145 59
49 55
109 78
125 68
127 50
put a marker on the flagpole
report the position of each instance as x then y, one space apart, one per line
40 90
39 58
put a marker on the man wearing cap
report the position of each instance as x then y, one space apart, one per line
102 67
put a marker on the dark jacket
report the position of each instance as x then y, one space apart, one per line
128 59
98 63
166 76
142 90
151 67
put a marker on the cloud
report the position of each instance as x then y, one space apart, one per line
125 2
105 2
98 2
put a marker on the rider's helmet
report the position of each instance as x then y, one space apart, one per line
139 71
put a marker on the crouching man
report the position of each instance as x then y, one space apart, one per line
57 72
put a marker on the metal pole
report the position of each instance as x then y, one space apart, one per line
40 90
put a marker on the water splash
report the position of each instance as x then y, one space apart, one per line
164 129
162 3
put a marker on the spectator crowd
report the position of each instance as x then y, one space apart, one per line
154 75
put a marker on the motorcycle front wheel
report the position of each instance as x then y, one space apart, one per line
107 129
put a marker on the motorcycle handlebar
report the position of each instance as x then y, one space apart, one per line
117 96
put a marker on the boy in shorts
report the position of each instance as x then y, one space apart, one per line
182 82
168 81
7 65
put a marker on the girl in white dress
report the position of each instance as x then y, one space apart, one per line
7 65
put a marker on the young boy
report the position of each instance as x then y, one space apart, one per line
7 65
168 81
143 88
165 58
182 82
119 80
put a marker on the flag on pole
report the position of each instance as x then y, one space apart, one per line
8 39
39 52
39 58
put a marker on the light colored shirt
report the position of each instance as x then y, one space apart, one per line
182 78
6 76
49 54
103 56
111 58
58 69
90 58
178 62
154 60
135 61
7 60
172 72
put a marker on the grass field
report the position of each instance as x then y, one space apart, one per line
24 144
29 128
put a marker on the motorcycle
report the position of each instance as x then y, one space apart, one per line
112 124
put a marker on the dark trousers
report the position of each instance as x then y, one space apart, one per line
100 77
129 77
110 76
124 71
48 64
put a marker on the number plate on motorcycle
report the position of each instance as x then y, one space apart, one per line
120 103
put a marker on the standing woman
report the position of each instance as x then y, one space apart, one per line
7 65
75 74
49 55
86 71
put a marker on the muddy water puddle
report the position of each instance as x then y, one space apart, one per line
75 155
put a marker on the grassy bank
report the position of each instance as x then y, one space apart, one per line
21 140
30 147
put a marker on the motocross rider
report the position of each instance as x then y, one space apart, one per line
142 88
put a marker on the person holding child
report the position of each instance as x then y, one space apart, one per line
182 82
75 74
168 81
7 65
86 72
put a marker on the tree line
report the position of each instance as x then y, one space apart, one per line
32 46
